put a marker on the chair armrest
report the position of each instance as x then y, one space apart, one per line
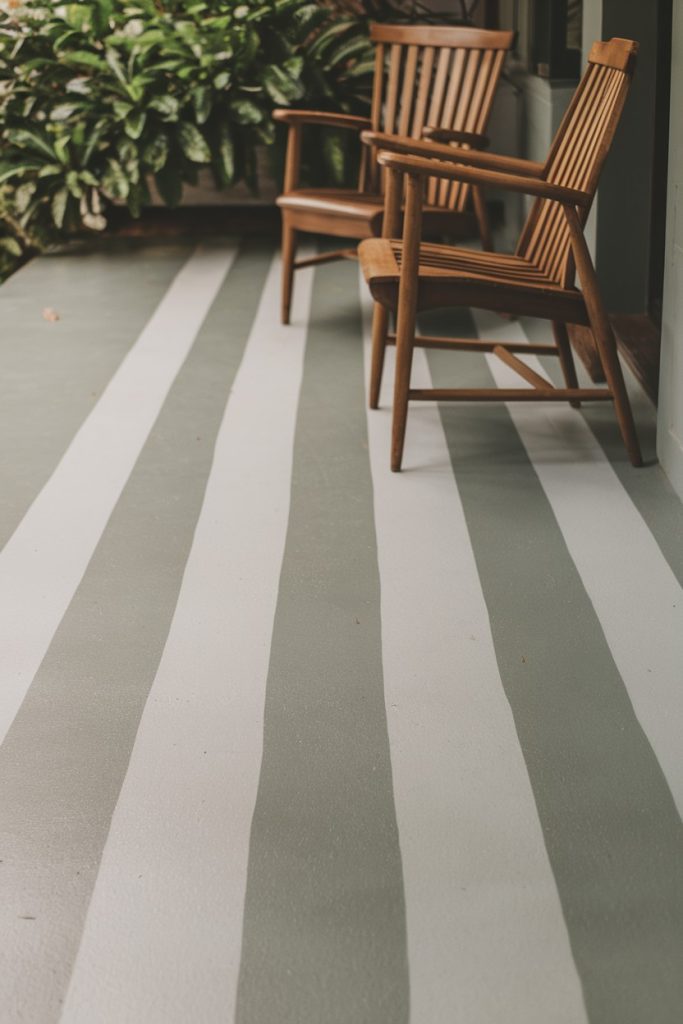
418 167
473 139
328 118
295 119
455 154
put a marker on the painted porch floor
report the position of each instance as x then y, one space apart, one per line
288 739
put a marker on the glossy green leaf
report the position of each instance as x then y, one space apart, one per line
226 156
155 154
193 143
115 184
202 101
58 206
246 111
167 106
135 124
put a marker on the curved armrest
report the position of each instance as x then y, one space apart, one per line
328 118
294 119
454 154
417 166
473 139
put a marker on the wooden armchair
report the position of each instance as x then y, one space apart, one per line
436 76
538 280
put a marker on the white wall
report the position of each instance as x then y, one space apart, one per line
592 25
670 417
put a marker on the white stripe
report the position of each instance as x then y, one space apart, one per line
636 596
486 935
163 932
44 561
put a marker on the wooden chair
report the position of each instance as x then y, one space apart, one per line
538 280
439 76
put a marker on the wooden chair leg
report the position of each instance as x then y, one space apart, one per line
380 324
566 358
406 316
482 216
405 339
604 336
607 347
391 228
288 257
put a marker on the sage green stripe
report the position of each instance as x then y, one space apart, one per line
324 921
54 372
647 487
610 825
64 759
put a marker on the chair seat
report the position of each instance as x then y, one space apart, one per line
344 202
492 280
354 214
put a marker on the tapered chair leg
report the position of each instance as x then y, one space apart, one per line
564 349
604 337
406 315
405 341
607 347
288 256
380 323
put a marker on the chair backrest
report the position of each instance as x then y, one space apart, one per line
578 153
435 75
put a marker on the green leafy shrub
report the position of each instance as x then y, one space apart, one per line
98 97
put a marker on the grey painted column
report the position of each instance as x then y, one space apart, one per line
624 228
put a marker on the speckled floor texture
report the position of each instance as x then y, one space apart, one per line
288 738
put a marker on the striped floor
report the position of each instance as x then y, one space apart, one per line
288 739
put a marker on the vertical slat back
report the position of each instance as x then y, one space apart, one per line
378 87
408 92
469 84
439 86
435 75
578 153
369 171
391 105
460 60
422 97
